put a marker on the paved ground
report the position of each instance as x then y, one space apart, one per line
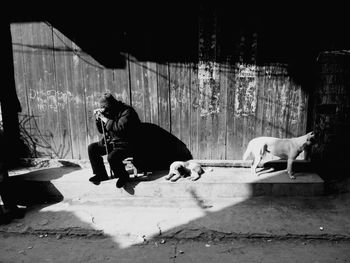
30 249
69 217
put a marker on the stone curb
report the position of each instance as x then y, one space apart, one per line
183 234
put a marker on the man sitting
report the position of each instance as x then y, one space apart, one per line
119 123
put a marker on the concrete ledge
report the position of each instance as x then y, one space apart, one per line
218 182
232 182
84 163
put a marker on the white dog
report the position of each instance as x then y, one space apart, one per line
180 169
288 149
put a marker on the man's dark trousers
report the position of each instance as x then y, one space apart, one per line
116 155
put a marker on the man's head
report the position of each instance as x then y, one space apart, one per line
108 103
107 100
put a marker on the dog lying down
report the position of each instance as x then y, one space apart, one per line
288 149
178 169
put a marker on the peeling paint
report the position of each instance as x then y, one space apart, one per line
246 89
209 88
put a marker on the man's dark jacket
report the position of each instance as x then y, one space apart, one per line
123 125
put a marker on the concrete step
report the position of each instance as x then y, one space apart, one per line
58 183
228 183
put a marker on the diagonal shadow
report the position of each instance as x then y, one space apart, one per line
265 212
34 188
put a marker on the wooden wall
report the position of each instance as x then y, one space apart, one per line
214 106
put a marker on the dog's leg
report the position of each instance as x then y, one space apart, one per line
290 168
170 174
195 175
255 164
258 156
269 170
176 176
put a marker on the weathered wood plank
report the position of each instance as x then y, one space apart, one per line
246 105
137 88
267 121
93 91
26 42
222 123
230 114
218 116
150 91
205 137
303 111
210 109
33 116
21 88
195 111
260 103
79 113
62 83
48 85
41 89
275 107
282 103
117 80
185 104
72 98
295 117
180 101
175 99
17 48
146 91
163 96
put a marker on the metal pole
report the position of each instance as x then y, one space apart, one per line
105 140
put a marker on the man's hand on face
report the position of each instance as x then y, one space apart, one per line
99 115
103 118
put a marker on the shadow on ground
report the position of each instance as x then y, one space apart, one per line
199 219
35 187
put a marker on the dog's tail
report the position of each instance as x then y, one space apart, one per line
247 151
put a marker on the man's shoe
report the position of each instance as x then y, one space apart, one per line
122 181
11 213
97 179
17 212
5 218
